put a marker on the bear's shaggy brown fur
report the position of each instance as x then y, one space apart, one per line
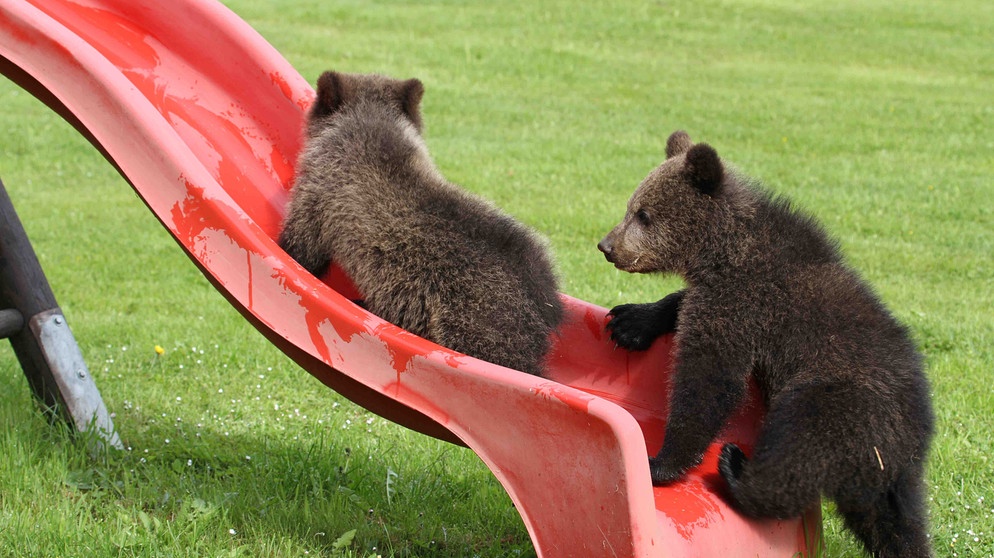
426 255
768 294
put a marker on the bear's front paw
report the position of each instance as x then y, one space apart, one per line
636 326
633 327
730 462
664 471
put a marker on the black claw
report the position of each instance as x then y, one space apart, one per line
731 461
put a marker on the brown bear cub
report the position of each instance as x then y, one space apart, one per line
768 295
426 255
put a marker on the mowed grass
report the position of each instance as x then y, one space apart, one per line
875 116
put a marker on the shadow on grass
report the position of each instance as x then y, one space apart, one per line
353 494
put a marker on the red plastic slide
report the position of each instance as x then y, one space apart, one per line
202 116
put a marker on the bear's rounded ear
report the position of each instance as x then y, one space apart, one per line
703 169
678 144
330 94
411 92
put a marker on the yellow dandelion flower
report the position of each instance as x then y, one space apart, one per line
159 350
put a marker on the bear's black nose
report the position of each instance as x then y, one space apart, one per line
606 247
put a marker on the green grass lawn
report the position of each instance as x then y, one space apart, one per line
873 115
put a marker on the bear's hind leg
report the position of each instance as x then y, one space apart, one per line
301 239
766 487
789 466
894 524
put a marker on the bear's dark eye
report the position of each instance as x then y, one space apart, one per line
643 217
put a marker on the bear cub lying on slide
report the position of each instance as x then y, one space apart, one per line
768 295
426 255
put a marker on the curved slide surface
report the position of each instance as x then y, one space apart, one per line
202 117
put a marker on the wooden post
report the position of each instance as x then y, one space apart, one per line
40 336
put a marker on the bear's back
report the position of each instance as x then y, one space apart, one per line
815 316
427 255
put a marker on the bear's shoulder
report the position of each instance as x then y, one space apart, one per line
793 235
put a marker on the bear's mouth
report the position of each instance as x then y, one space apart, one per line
628 266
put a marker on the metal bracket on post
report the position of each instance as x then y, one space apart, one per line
72 378
40 336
